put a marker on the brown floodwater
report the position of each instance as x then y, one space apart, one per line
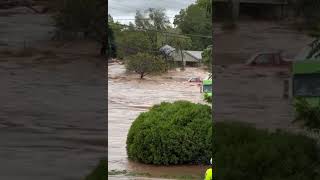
128 96
52 119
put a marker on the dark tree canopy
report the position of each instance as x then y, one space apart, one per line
196 19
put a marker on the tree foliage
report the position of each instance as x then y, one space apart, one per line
207 57
196 19
151 22
306 113
207 98
172 133
111 49
144 64
131 42
180 43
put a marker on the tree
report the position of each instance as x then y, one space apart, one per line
144 64
111 45
152 22
207 57
180 43
131 42
111 50
196 19
206 4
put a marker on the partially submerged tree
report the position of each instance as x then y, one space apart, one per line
145 64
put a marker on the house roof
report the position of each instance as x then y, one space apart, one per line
196 54
168 50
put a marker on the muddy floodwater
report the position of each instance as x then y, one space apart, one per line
52 119
128 96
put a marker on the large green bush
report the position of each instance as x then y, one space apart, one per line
245 153
172 133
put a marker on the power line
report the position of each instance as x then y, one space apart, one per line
138 49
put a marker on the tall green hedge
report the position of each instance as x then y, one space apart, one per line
172 133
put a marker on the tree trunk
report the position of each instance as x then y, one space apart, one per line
166 60
141 75
182 60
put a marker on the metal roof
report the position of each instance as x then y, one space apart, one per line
195 54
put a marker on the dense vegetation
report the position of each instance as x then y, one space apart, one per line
172 133
152 30
207 57
207 98
144 64
245 153
307 113
196 19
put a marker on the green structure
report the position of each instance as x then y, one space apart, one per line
207 87
306 80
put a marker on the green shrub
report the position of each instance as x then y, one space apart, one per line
172 133
307 113
100 173
245 153
207 98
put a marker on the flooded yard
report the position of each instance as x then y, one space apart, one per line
253 95
128 96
